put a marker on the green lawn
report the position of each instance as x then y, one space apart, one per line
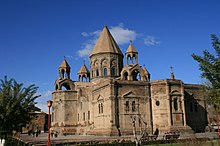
190 143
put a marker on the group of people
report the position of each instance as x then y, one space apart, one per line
35 131
54 133
154 136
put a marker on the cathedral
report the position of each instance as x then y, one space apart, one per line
114 98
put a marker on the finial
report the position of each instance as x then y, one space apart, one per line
64 57
172 74
171 68
130 41
84 61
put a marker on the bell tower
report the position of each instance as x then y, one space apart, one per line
83 73
131 55
64 70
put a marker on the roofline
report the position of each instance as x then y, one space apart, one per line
106 53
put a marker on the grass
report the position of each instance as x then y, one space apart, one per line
190 143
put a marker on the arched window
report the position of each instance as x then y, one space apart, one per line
65 86
101 108
126 76
62 73
136 75
133 106
84 116
97 72
105 71
134 60
129 59
175 104
88 115
56 87
127 106
113 71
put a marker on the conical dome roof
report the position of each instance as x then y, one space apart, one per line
83 70
64 64
131 49
106 44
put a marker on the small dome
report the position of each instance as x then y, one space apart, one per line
64 64
131 49
83 70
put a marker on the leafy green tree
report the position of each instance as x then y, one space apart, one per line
210 66
16 102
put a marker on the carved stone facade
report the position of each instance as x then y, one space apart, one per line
117 97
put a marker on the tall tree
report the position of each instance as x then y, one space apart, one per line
16 102
210 66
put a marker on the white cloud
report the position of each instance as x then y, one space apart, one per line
42 100
89 44
69 56
84 34
95 33
122 35
87 47
42 106
86 50
151 41
46 94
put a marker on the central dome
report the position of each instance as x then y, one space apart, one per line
106 44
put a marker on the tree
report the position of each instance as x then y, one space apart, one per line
209 64
143 133
16 102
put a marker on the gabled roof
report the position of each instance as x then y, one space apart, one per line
83 69
106 44
145 71
131 49
64 64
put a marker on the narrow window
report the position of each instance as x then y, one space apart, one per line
84 116
133 106
127 106
105 71
101 108
88 115
112 71
126 76
62 73
175 104
78 117
97 72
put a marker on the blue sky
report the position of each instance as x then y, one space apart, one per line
35 35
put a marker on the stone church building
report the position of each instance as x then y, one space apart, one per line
111 98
